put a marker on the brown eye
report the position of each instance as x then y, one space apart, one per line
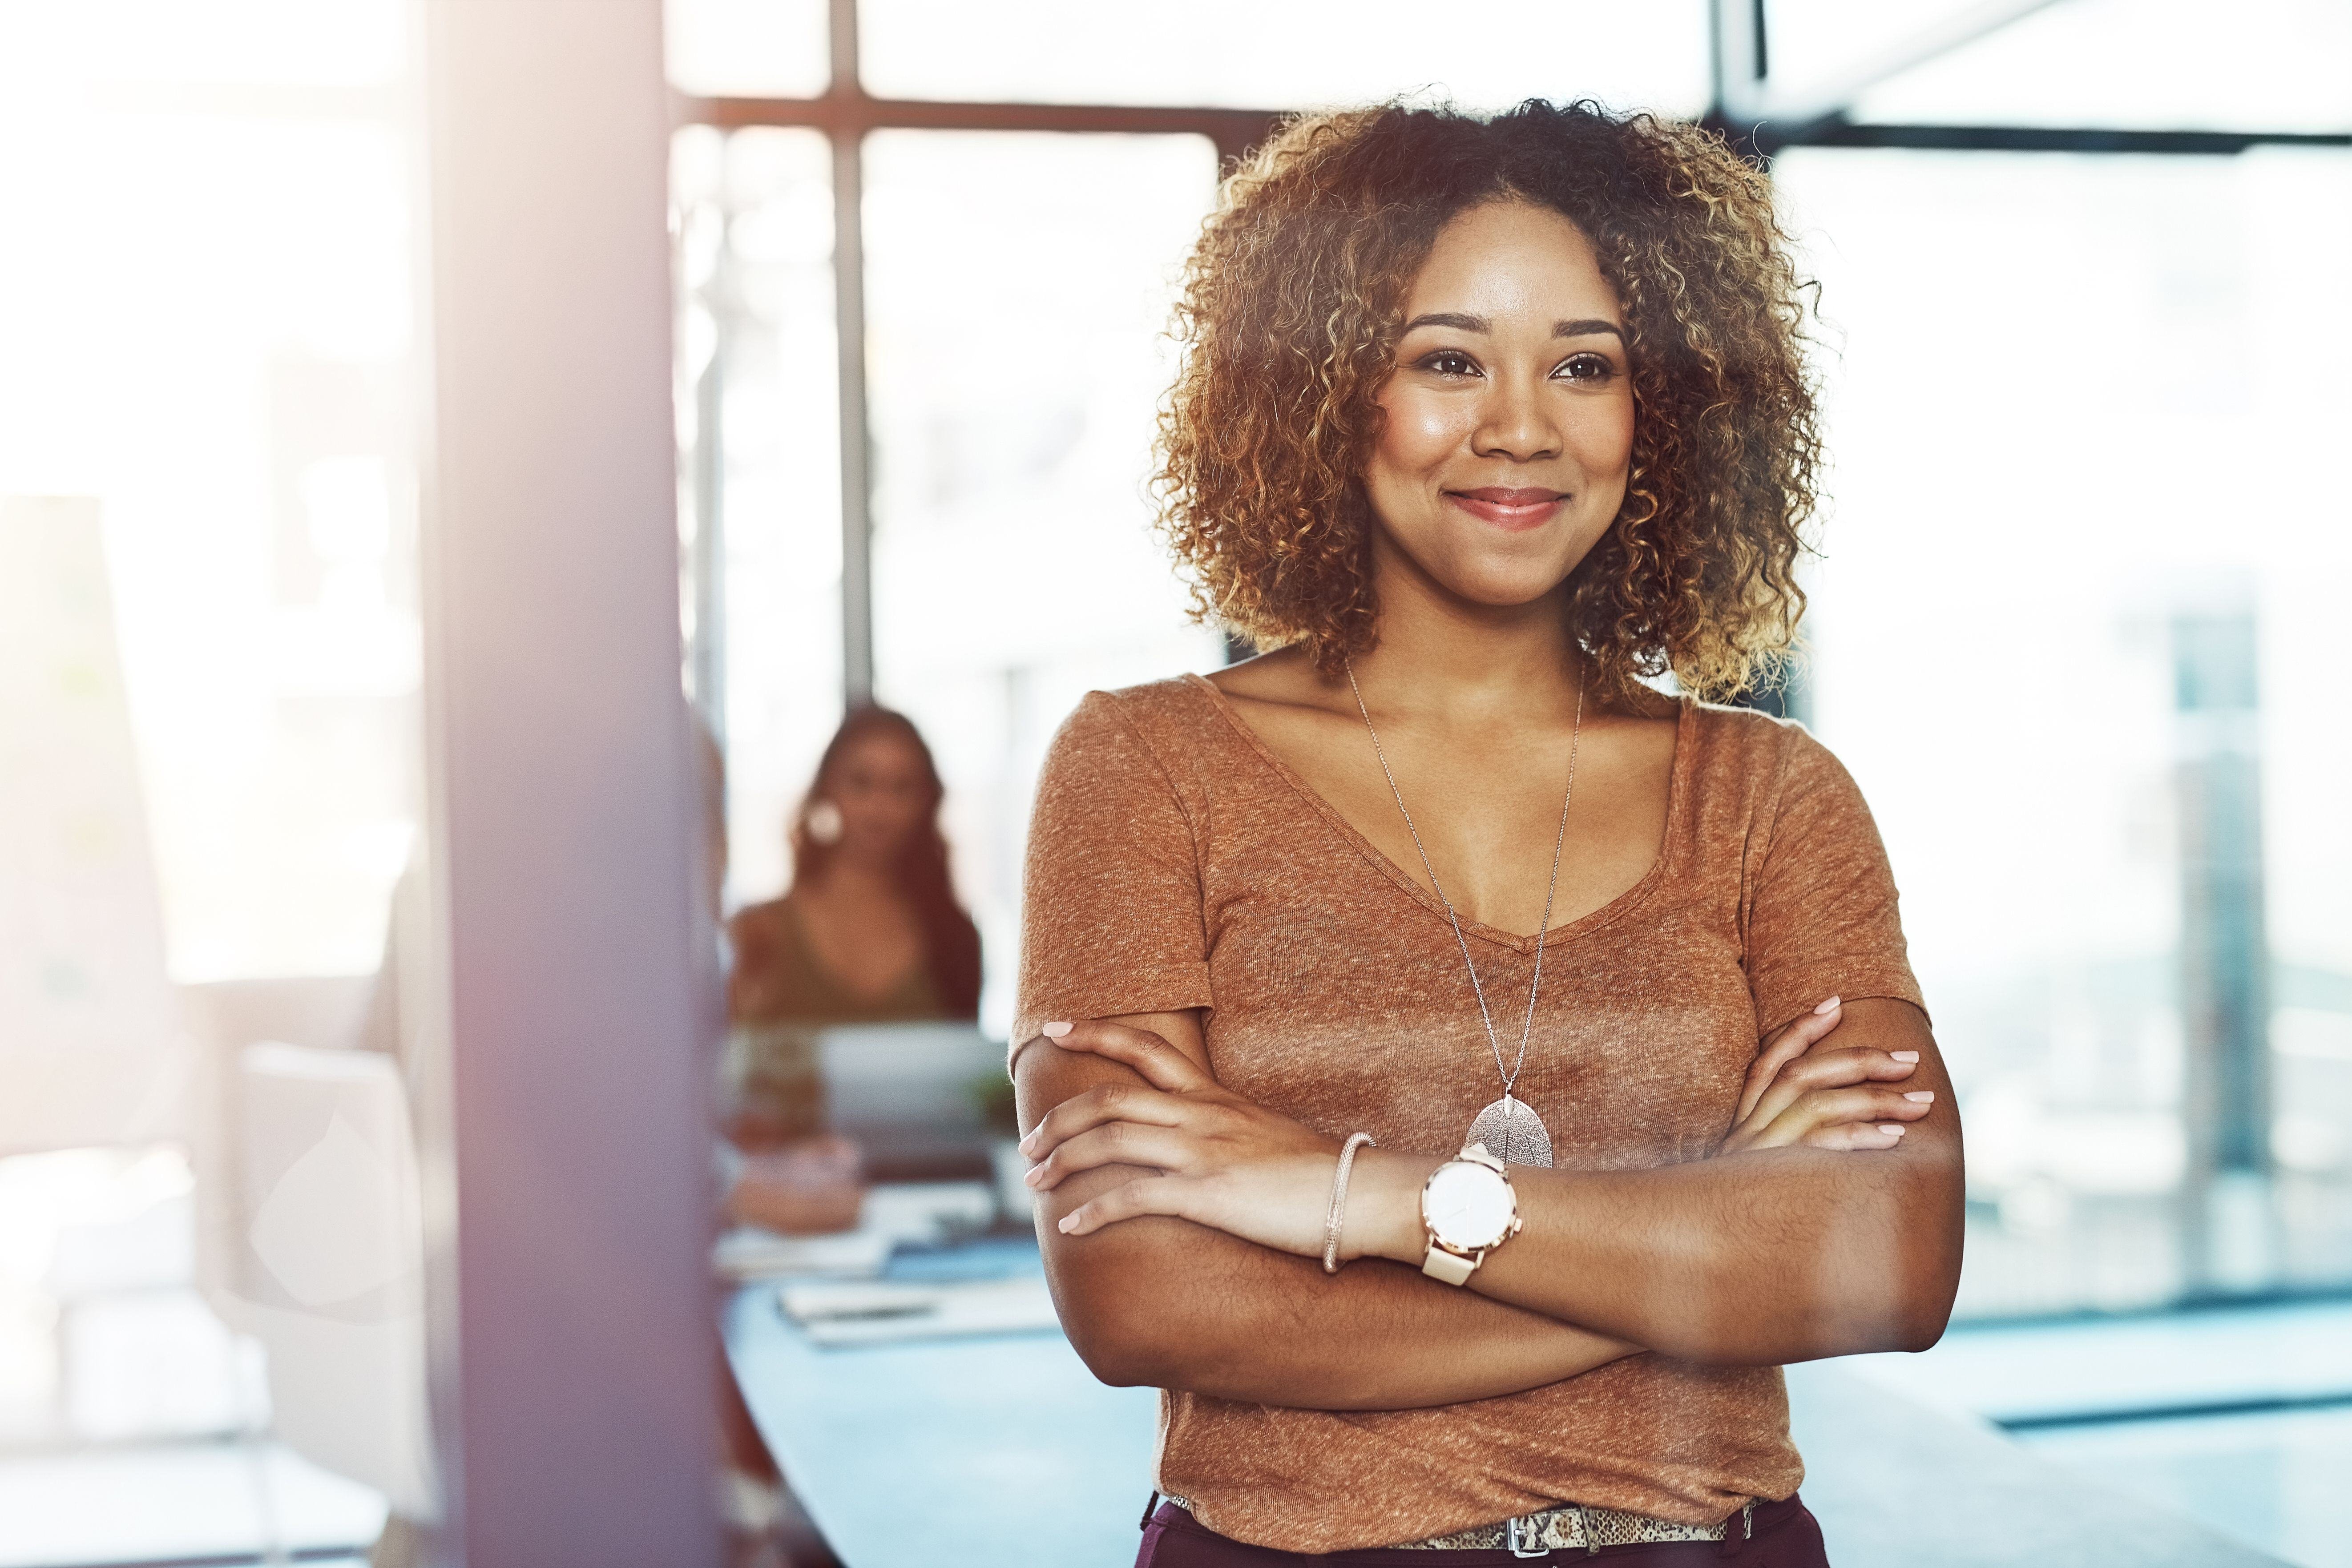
1586 367
1449 362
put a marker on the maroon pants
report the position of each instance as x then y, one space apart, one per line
1785 1537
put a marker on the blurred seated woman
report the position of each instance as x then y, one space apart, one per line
868 932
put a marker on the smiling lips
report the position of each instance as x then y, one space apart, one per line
1508 509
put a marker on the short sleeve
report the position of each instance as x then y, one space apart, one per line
1822 916
1111 919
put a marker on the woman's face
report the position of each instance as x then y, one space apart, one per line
883 792
1509 420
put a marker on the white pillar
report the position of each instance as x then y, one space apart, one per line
563 1115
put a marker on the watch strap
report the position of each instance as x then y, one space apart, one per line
1449 1268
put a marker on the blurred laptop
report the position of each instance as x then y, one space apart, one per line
913 1096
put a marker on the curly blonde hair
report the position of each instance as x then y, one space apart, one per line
1288 320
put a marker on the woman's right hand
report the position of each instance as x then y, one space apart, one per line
1847 1099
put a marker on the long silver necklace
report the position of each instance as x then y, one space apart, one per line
1509 1128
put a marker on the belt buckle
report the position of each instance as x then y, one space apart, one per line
1511 1538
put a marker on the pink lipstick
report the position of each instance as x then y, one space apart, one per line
1507 507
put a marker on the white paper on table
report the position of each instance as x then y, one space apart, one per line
750 1253
927 1213
881 1311
894 1214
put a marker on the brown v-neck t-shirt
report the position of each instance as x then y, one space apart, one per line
1175 862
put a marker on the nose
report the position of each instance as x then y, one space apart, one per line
1516 422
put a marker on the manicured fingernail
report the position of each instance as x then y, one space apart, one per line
1923 1096
1829 1006
1054 1031
1064 1223
1905 1055
1893 1129
1034 1175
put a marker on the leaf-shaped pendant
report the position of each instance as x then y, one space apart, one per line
1512 1132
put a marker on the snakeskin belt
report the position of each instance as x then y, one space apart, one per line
1574 1528
1570 1527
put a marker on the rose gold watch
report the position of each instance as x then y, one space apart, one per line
1469 1208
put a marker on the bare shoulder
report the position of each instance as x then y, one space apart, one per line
762 918
1287 678
1291 708
1283 687
1643 706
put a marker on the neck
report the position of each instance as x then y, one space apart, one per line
1440 653
858 877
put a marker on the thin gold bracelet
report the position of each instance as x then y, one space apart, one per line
1339 1199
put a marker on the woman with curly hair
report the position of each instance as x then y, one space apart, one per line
1460 1074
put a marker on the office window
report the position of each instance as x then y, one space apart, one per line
2258 65
756 351
2079 407
1254 55
1019 287
208 340
726 49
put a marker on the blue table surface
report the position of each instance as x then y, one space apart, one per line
1009 1443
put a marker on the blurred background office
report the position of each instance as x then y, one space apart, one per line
2081 267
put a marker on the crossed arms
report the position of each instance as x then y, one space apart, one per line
1182 1228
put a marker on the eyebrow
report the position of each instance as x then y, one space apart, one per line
1466 323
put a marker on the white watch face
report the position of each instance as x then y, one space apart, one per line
1467 1207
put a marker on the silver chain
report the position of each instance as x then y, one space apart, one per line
1511 1076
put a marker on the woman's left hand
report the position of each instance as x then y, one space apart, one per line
1845 1099
1222 1160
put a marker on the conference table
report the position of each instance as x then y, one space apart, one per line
1000 1450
